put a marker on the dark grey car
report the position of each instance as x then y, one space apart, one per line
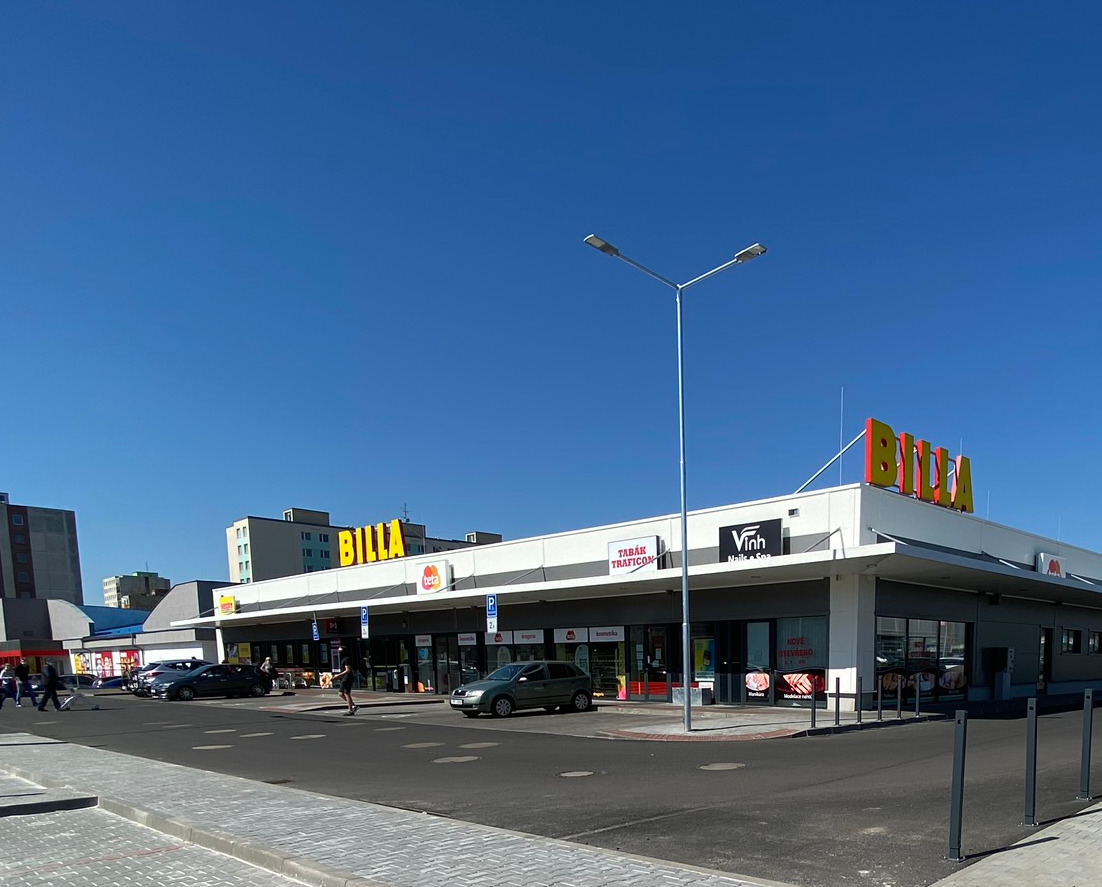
548 685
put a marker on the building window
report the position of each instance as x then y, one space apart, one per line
1071 640
307 552
325 554
18 539
23 576
241 566
21 557
1094 642
246 565
246 548
323 537
240 549
306 537
17 520
239 532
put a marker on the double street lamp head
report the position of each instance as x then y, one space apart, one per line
751 252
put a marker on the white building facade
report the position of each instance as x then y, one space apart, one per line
857 585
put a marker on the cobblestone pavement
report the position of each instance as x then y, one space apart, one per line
205 828
92 847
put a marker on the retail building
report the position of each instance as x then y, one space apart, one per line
900 591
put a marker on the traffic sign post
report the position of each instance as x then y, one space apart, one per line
491 613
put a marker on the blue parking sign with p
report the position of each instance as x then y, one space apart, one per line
491 605
363 615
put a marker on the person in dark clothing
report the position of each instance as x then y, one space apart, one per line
51 688
344 679
23 684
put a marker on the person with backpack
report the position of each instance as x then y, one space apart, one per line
51 688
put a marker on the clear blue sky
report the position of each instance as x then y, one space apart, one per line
263 255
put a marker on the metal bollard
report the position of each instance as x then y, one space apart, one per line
1085 765
956 809
857 705
899 700
1031 764
918 696
879 699
837 702
814 702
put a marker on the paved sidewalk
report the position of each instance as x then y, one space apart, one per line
160 823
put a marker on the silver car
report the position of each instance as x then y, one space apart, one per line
547 685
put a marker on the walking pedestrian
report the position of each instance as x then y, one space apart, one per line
7 684
51 688
344 676
270 673
23 684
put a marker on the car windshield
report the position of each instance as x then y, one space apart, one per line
507 672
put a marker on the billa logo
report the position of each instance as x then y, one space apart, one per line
570 635
365 545
498 638
915 469
1050 565
430 579
1054 567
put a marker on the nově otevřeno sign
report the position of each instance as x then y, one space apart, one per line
633 556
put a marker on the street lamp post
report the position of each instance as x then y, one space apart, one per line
751 252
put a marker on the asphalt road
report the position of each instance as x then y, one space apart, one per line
867 807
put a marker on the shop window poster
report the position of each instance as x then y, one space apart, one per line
704 657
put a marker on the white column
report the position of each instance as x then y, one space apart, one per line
852 645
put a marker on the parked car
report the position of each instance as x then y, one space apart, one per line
211 680
547 685
118 682
147 674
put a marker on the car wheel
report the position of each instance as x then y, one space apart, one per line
256 690
470 714
502 707
185 693
580 701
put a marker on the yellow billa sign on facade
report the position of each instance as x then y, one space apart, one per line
227 604
366 545
915 468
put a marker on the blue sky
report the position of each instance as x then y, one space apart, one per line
263 255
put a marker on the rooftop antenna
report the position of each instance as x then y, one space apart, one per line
841 424
405 512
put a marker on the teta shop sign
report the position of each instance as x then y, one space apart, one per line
743 542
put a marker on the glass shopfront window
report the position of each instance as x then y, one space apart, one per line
801 660
926 657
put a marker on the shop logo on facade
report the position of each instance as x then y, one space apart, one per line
366 545
227 605
743 542
1050 565
434 577
916 469
633 556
